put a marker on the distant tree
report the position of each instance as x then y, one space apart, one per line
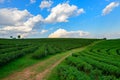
19 36
105 38
11 37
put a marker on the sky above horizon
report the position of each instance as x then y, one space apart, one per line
60 18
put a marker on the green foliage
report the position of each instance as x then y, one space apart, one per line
54 46
51 49
40 53
20 51
7 57
79 64
99 62
11 49
66 72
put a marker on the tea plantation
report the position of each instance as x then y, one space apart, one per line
17 54
98 62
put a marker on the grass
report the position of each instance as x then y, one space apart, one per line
20 64
17 65
53 75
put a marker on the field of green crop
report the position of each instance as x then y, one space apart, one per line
17 54
98 62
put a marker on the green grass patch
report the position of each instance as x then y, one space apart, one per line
17 65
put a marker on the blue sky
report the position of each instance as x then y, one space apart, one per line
60 18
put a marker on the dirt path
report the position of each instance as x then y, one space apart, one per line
41 75
41 70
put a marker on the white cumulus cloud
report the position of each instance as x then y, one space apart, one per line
13 16
24 27
45 4
14 21
110 7
18 21
62 12
62 33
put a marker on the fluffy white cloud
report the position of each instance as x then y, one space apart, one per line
26 26
46 4
14 21
62 12
33 21
13 16
32 1
80 11
18 21
110 7
26 34
62 33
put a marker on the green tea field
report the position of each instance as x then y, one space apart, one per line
16 55
59 39
100 61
